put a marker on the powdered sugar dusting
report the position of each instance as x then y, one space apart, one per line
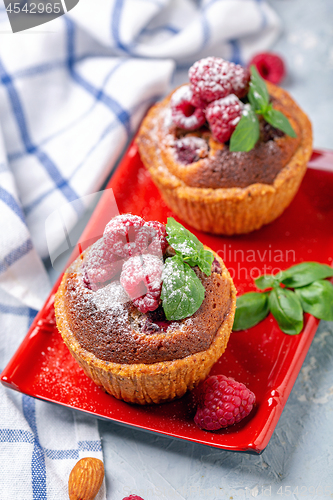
213 78
184 113
111 297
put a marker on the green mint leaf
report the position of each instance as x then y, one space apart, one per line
251 308
182 291
258 94
188 246
287 310
205 261
182 241
266 281
317 299
247 131
304 274
280 121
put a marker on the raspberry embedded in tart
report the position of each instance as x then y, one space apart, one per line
185 114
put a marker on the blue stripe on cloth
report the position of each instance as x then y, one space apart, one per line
31 148
38 470
236 53
10 201
158 29
15 255
122 115
19 154
264 20
16 436
18 310
115 24
205 29
29 312
61 454
90 446
109 128
42 68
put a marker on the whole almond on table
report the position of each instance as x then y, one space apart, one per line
85 479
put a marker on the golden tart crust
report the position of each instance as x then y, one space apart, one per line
225 210
145 383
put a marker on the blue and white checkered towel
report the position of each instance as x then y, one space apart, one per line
72 93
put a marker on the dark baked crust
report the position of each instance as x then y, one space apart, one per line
114 334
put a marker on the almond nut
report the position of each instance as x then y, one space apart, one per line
85 479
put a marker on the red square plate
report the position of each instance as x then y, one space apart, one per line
264 358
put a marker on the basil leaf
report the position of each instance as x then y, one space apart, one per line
182 291
247 131
317 299
258 93
280 121
304 274
287 310
266 281
251 308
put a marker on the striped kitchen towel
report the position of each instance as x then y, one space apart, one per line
72 93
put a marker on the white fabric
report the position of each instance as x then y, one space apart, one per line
72 93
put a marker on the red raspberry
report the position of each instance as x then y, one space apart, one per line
157 243
190 149
224 402
100 265
214 78
184 114
270 66
223 116
141 277
133 497
126 235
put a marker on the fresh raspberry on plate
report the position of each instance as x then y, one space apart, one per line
270 66
133 497
214 78
126 235
223 116
141 277
184 113
224 402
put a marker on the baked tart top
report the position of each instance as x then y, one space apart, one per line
146 293
195 127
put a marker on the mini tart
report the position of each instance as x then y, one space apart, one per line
221 203
146 382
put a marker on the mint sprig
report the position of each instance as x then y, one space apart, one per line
310 293
246 133
182 291
258 94
188 246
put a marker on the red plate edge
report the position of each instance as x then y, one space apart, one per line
257 437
